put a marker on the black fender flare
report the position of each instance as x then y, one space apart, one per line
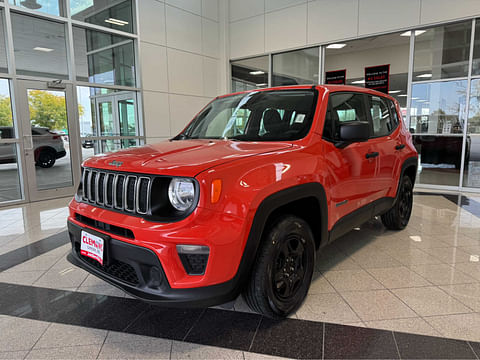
266 208
408 163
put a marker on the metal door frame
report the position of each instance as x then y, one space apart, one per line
32 193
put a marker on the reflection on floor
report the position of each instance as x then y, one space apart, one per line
422 280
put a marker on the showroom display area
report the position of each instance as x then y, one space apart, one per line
421 283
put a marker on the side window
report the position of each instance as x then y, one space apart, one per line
381 121
393 111
343 108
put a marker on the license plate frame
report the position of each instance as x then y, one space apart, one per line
90 247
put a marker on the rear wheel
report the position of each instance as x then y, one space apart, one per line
46 158
283 269
398 216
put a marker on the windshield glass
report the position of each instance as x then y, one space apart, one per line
255 116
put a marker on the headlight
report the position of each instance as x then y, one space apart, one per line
181 193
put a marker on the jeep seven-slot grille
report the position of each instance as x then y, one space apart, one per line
125 192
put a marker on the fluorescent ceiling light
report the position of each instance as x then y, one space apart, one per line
394 91
358 82
336 46
428 75
257 72
116 22
262 84
38 48
415 98
417 32
403 95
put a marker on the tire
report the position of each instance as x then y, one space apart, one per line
46 159
398 216
275 290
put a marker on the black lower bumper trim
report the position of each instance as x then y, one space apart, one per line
152 285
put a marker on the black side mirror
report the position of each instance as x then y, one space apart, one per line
355 131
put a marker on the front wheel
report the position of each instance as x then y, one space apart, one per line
283 270
398 216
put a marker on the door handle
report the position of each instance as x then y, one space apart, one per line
371 155
399 146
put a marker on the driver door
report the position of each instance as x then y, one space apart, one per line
353 168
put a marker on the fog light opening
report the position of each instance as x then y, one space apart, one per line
194 258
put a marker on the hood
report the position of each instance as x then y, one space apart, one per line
181 158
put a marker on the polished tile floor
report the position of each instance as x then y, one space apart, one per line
422 280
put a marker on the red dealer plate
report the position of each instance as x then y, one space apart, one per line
92 246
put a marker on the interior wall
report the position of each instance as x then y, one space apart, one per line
181 62
262 26
396 56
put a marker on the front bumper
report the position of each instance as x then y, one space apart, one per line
137 271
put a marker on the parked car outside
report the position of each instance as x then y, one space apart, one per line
47 145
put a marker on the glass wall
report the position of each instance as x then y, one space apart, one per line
40 47
442 52
104 58
437 120
9 169
438 105
52 7
443 110
250 73
99 63
108 120
296 67
117 15
354 56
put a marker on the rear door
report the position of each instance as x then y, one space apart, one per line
384 141
354 168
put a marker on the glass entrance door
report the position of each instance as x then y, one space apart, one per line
50 139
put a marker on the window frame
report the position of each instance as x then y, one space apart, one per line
370 119
329 109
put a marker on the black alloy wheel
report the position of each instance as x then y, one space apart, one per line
289 267
46 159
283 269
398 216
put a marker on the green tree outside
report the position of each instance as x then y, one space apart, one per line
46 110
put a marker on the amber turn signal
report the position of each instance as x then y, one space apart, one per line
216 190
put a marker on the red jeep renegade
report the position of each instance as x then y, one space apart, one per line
243 198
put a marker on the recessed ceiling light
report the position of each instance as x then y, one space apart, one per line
116 22
428 75
358 82
417 32
336 46
394 91
44 49
262 84
257 72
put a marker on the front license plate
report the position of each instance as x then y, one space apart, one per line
92 246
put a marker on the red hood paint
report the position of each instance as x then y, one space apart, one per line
181 158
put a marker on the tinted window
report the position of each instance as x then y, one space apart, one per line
343 108
255 116
393 112
382 123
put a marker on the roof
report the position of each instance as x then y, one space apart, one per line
327 88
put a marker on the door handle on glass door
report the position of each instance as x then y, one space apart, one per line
371 155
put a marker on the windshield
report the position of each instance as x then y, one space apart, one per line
255 116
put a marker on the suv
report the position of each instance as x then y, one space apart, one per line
242 199
47 145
